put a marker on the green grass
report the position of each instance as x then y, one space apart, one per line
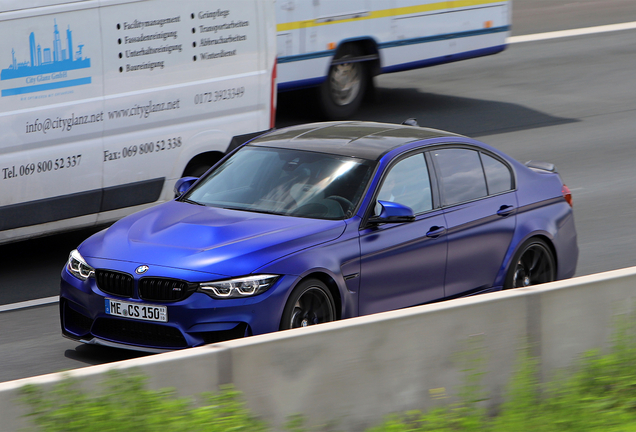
124 404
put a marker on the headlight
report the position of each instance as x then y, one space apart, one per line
77 266
238 288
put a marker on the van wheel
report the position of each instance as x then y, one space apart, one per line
341 94
310 303
533 264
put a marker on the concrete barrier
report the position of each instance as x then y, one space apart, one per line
350 374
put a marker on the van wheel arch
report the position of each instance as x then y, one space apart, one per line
199 164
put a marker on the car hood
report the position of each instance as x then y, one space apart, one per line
208 239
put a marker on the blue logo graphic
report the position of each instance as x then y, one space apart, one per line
47 67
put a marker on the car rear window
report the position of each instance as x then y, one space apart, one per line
497 175
461 175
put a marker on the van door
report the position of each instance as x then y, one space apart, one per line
181 78
52 114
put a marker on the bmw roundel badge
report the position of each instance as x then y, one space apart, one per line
141 269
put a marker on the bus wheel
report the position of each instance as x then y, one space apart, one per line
342 92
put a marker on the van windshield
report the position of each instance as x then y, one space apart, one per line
285 182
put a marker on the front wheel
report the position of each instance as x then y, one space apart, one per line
533 264
310 303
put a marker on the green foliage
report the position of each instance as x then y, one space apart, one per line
125 404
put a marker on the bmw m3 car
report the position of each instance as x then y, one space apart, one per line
315 223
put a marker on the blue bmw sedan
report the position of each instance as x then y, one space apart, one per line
315 223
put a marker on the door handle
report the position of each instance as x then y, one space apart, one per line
505 210
436 231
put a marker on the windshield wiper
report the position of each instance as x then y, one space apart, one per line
254 210
189 201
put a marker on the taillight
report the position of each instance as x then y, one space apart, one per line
567 194
272 101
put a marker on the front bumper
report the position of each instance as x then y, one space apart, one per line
193 321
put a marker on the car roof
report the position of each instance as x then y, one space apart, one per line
364 140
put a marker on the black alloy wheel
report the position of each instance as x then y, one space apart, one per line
310 303
532 265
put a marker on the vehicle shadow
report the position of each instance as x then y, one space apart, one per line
466 116
95 354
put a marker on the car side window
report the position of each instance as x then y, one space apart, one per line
498 175
408 183
461 175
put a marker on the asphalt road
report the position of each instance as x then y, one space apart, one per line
568 101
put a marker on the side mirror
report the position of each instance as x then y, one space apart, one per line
393 212
183 184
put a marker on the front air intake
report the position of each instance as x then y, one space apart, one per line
138 333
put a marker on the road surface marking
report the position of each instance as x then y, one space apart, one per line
570 33
29 303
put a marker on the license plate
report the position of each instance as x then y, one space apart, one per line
136 311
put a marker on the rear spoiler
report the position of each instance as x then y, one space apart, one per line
542 166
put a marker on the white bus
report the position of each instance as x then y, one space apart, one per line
337 46
105 103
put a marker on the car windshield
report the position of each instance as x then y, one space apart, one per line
285 182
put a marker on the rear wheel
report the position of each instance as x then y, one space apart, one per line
342 92
533 264
310 303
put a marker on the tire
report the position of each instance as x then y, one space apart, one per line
310 303
341 94
533 264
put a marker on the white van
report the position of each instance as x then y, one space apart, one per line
105 103
337 46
